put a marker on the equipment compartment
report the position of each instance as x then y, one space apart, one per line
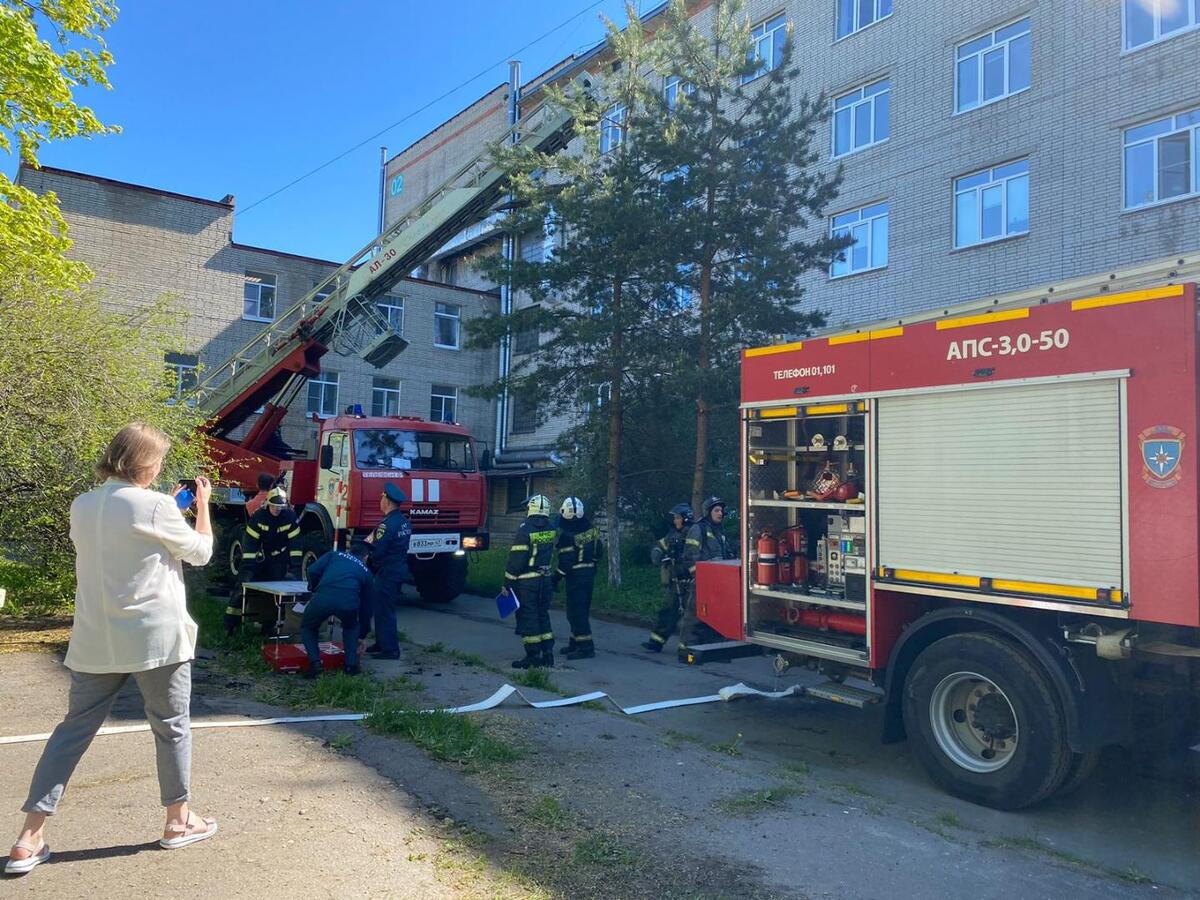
805 525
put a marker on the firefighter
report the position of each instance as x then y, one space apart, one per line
578 550
668 555
528 574
271 551
388 562
704 541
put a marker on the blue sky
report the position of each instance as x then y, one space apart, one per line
242 96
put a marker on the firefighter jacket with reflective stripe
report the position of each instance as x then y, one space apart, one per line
269 536
532 550
578 544
671 547
389 545
705 541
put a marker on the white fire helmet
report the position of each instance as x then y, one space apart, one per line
572 508
538 505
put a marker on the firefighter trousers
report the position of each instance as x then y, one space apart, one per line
533 615
674 596
580 583
691 629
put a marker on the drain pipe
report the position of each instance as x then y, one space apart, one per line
382 188
509 251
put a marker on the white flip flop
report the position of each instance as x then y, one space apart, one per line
185 839
21 866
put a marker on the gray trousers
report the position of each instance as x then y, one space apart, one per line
166 695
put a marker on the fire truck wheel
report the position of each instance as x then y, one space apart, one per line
441 579
985 722
1081 769
231 557
313 545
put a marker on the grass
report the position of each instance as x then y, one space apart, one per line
549 812
732 747
853 789
797 769
343 741
639 596
750 803
1130 873
444 736
949 820
538 679
603 850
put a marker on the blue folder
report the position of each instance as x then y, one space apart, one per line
507 602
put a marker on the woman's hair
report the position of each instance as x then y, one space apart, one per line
133 453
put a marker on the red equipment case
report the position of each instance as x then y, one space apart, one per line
292 658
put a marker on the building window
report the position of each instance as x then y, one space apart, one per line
860 118
1162 160
855 15
1147 21
612 128
526 341
517 495
446 321
869 229
673 88
443 403
449 271
258 297
323 394
766 47
992 204
524 414
385 397
183 369
993 66
392 309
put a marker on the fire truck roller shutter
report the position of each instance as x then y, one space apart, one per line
1020 482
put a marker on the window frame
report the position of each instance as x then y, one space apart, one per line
612 128
853 31
1175 129
455 317
178 364
958 109
863 99
869 221
766 66
978 191
382 304
274 286
528 407
386 391
323 379
680 86
434 394
1159 37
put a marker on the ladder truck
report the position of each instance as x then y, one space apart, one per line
247 396
984 520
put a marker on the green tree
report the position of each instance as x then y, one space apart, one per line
741 144
602 302
38 80
73 369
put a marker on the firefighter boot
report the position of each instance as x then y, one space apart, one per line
570 646
533 657
584 649
548 653
655 644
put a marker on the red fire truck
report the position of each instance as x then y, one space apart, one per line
987 516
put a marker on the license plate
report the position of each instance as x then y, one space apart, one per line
433 543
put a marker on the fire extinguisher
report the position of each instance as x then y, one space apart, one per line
785 558
766 572
793 556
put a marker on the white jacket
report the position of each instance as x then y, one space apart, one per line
130 610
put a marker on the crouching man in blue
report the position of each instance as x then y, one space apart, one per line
337 581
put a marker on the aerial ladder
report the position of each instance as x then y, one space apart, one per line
340 313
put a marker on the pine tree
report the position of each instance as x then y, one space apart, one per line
602 302
740 143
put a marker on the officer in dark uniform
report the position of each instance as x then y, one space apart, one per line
388 561
337 581
668 555
271 551
528 574
578 550
704 541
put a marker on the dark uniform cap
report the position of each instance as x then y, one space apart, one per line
393 492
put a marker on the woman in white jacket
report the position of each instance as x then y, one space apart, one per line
131 620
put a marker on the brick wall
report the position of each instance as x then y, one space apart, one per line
144 243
